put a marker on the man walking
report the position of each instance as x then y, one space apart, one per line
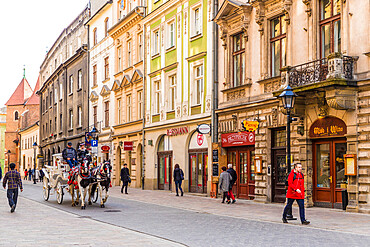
70 155
234 177
224 183
1 173
13 178
125 177
295 192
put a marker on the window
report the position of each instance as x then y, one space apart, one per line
172 93
198 90
140 47
106 26
95 115
129 108
140 104
128 53
16 115
55 124
278 45
79 115
197 21
106 113
95 36
55 94
95 79
155 47
71 84
79 82
119 111
106 68
61 122
70 119
119 56
238 60
330 35
157 96
51 97
171 34
60 91
46 102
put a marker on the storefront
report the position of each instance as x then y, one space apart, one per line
241 154
198 163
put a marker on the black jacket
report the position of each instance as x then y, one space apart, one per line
83 154
234 177
69 153
125 175
178 174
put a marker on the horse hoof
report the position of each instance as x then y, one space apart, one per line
90 203
76 203
83 207
102 206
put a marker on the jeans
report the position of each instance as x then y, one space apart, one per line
178 185
289 207
71 163
12 195
225 194
124 186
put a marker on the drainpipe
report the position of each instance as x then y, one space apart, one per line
215 76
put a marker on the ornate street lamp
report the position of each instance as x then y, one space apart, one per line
34 161
288 99
94 133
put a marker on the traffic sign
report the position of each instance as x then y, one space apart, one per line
94 143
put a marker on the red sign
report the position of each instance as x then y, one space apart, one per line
328 127
200 139
105 149
237 139
178 131
128 146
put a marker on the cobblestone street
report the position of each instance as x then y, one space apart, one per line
158 218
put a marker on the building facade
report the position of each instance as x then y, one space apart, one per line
128 36
2 137
28 155
178 90
64 90
319 48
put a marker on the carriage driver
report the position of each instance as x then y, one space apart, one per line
83 153
70 155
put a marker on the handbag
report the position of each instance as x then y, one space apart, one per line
129 179
181 175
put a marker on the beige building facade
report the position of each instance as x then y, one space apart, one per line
29 136
321 49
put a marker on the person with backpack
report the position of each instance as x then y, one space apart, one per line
178 176
295 192
234 177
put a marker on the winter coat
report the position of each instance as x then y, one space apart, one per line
178 174
295 181
69 153
1 173
224 181
82 154
125 175
234 177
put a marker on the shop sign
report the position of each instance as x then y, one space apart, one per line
128 146
200 139
105 149
204 128
177 131
250 125
215 155
215 170
237 139
328 127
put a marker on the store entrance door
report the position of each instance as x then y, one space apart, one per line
164 170
329 172
198 171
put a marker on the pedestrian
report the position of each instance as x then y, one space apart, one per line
13 178
178 176
29 174
42 174
125 177
295 192
1 173
234 177
25 174
224 183
70 155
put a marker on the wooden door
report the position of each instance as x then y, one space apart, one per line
164 171
329 172
278 175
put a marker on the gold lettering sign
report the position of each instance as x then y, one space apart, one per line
250 125
328 127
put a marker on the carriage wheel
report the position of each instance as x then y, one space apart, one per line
96 195
46 189
59 192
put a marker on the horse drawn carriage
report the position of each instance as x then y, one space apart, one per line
83 178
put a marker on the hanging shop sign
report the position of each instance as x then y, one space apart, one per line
105 149
328 127
250 125
237 139
177 131
204 128
128 146
215 155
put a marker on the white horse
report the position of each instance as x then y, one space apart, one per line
84 180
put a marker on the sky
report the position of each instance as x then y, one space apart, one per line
27 30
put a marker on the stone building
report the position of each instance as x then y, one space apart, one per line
64 89
321 49
128 36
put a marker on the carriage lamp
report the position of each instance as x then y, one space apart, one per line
34 162
94 133
288 99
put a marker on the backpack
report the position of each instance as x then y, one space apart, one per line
181 174
294 178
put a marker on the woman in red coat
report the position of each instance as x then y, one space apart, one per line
295 192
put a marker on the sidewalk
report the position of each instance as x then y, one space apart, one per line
321 218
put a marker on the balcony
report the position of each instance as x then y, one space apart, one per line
337 69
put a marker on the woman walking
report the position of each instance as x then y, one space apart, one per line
224 182
178 176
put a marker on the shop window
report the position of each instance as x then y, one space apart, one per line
330 33
278 45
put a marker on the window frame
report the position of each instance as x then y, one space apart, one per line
106 26
95 115
155 42
95 36
172 86
70 84
129 54
70 119
79 79
234 54
79 116
140 104
119 111
198 88
129 108
157 96
106 114
106 68
279 38
140 47
95 77
196 29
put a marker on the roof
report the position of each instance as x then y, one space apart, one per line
35 99
21 94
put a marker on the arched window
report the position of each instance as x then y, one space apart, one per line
16 115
